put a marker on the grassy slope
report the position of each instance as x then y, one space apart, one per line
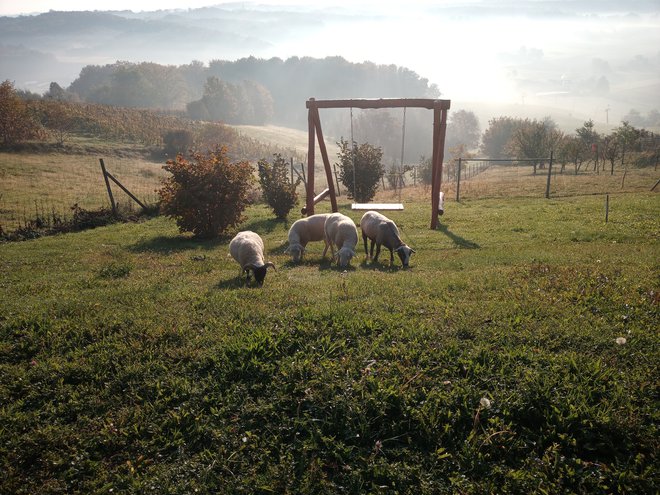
131 358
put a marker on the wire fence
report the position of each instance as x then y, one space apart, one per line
468 179
48 187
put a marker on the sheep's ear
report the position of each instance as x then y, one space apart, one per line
412 250
271 264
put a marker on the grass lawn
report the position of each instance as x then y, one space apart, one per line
518 354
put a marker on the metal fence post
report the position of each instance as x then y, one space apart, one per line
547 186
458 181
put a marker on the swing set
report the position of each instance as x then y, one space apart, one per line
439 107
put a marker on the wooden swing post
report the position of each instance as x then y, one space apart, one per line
439 107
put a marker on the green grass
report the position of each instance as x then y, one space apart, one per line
132 359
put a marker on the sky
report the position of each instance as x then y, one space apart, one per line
483 49
14 7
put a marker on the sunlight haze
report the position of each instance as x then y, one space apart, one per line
582 56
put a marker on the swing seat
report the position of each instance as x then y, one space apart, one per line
377 206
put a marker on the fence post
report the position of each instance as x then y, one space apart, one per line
607 207
334 167
458 181
547 186
107 185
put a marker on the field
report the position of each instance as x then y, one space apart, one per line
518 354
34 184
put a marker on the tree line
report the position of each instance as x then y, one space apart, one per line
535 140
47 118
245 91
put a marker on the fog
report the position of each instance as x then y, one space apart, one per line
576 59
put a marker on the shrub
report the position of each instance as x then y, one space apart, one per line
177 141
206 195
278 191
368 169
425 170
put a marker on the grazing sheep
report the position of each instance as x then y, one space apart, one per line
303 231
247 249
341 231
383 232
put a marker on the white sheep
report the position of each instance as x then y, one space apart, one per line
247 248
306 230
340 231
383 232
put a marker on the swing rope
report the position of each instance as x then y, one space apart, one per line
403 136
353 150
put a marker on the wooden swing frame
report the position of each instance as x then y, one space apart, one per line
439 107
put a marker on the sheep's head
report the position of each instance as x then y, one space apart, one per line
344 256
296 251
259 271
404 253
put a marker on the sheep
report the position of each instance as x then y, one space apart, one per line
247 249
340 231
303 231
383 232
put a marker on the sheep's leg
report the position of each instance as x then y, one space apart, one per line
364 239
377 253
391 257
328 244
373 243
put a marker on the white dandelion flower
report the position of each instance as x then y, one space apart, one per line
485 403
620 340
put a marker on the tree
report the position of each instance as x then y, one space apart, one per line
462 129
17 122
363 163
208 194
59 117
589 139
535 140
495 140
279 192
611 149
628 136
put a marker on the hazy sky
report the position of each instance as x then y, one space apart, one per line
472 49
14 7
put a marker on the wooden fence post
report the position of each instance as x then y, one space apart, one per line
107 175
107 185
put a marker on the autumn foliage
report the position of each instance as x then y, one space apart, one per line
207 194
17 122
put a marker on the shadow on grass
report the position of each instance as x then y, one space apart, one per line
164 244
265 226
383 267
458 240
237 283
